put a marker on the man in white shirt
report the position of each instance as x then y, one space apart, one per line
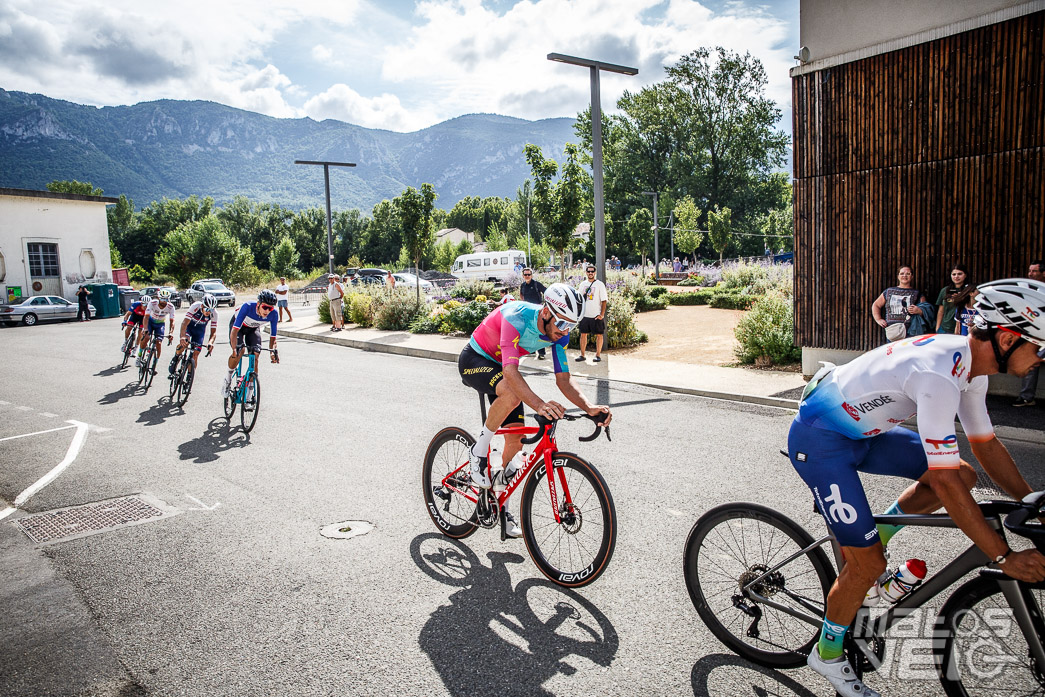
335 293
594 321
283 299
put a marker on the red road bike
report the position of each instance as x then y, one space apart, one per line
567 516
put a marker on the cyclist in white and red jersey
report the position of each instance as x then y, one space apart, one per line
847 424
490 365
201 314
152 325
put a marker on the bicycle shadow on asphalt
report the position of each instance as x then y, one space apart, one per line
128 390
159 412
733 674
496 639
218 438
109 372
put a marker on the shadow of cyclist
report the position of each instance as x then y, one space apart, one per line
108 372
215 440
493 639
159 412
734 674
128 390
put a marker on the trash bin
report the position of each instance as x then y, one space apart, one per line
128 298
105 298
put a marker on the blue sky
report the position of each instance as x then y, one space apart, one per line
396 64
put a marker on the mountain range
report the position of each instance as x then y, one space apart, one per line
175 149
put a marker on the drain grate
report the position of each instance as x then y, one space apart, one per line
92 518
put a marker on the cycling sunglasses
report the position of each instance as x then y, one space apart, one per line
267 308
562 324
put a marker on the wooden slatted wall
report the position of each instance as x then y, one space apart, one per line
925 156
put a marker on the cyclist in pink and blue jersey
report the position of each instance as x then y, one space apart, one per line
490 365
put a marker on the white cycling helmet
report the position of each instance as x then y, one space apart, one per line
1015 304
209 301
145 299
565 301
163 294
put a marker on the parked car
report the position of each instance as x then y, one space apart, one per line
176 298
215 287
40 308
368 280
409 280
378 273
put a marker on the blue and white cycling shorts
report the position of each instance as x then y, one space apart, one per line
829 463
196 332
155 328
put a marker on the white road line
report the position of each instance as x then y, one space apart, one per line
48 414
26 435
70 456
3 402
24 408
6 512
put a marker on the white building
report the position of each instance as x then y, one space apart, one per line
51 243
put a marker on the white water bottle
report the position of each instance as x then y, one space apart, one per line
495 458
906 577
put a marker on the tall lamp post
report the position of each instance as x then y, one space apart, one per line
656 235
326 182
596 147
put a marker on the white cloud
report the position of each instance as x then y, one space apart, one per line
343 103
322 54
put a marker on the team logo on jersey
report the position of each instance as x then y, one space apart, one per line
873 432
854 410
851 411
959 367
948 444
924 340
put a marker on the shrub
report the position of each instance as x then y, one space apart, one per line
691 297
324 311
733 301
470 289
658 291
694 279
361 309
464 318
426 324
397 311
645 303
744 275
620 324
767 331
643 296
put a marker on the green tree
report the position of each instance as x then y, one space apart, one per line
349 230
556 204
155 222
414 209
383 238
496 241
120 220
284 259
720 230
308 231
444 256
73 187
640 232
688 234
203 248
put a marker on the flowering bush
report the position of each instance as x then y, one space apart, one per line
361 309
397 311
463 318
766 333
468 290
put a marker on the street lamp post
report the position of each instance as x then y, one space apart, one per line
656 235
326 182
596 146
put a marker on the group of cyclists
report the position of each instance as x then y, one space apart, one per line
846 423
154 318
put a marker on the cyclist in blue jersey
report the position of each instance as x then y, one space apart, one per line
490 365
847 424
200 315
245 332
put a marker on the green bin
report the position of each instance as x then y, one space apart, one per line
106 299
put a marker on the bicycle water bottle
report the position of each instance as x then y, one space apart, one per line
905 579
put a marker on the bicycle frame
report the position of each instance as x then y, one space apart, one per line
969 560
544 450
241 389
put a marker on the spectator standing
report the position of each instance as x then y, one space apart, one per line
595 297
532 291
1029 384
83 313
283 299
336 295
965 314
952 298
390 281
896 304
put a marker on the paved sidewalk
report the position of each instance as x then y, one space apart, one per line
769 388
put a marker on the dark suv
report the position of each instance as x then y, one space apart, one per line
369 276
176 297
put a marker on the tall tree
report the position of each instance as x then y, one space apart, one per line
204 248
414 209
688 234
73 187
284 259
557 204
720 230
640 232
155 222
384 234
308 230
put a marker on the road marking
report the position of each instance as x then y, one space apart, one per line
201 506
3 402
24 408
49 415
26 435
70 456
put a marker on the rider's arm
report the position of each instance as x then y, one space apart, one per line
566 385
999 465
184 328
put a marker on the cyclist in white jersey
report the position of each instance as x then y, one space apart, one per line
152 325
847 422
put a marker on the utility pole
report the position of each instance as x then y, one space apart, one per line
326 183
656 235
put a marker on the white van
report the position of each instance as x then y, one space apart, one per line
488 266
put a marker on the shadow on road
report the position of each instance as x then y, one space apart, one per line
159 412
733 675
128 390
215 440
115 370
493 639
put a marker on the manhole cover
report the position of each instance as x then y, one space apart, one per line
92 518
346 530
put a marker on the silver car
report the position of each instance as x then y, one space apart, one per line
40 308
215 287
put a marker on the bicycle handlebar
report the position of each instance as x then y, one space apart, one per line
1016 521
544 423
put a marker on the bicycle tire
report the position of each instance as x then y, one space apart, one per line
175 381
188 375
142 369
131 341
150 373
961 622
729 623
248 411
455 516
554 545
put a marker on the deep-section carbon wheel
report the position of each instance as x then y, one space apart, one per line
574 551
735 544
248 411
449 508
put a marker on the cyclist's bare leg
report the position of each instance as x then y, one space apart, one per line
506 402
863 566
920 497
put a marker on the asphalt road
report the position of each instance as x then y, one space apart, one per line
236 592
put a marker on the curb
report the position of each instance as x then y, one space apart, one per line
1005 433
